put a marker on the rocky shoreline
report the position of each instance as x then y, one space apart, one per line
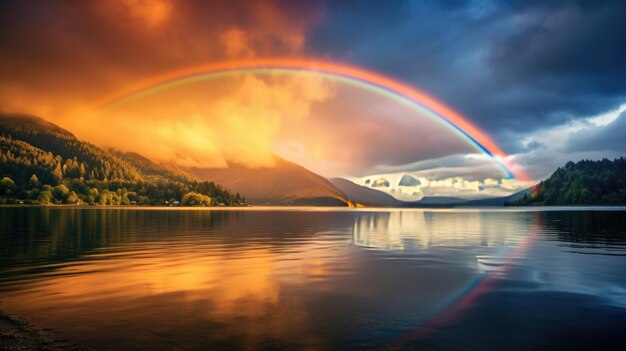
17 334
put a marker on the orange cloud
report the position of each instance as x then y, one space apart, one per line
236 42
209 124
150 13
153 12
57 56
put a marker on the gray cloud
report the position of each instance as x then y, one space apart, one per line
546 150
611 137
471 167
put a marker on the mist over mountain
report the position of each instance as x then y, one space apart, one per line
42 163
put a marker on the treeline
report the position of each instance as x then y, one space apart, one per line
583 183
41 163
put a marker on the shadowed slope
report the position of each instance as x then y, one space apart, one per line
285 183
364 195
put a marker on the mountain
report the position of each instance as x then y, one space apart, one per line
496 201
150 168
364 195
43 163
367 196
285 183
440 200
582 183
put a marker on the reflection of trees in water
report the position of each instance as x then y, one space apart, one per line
412 230
50 234
54 234
586 226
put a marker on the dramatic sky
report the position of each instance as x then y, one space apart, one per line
545 79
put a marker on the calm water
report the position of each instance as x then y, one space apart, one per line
318 279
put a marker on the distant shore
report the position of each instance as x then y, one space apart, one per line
328 208
118 206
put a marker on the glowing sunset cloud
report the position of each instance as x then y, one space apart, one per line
349 74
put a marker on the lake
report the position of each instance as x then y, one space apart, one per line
318 278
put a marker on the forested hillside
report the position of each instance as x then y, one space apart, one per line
43 163
582 183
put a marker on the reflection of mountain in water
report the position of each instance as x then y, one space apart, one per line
414 230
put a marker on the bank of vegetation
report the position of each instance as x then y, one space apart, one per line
41 163
582 183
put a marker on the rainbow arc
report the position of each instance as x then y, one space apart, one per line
348 74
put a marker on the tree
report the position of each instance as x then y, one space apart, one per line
72 198
44 197
7 186
61 192
58 173
103 198
33 181
195 199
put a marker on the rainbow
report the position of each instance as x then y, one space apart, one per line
345 73
469 296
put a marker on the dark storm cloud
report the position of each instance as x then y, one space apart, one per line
605 138
513 67
583 42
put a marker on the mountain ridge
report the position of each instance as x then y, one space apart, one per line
42 163
284 183
366 196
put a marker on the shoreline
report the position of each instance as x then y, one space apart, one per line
19 334
330 208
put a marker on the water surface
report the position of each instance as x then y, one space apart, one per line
323 279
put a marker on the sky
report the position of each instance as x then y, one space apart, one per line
546 80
